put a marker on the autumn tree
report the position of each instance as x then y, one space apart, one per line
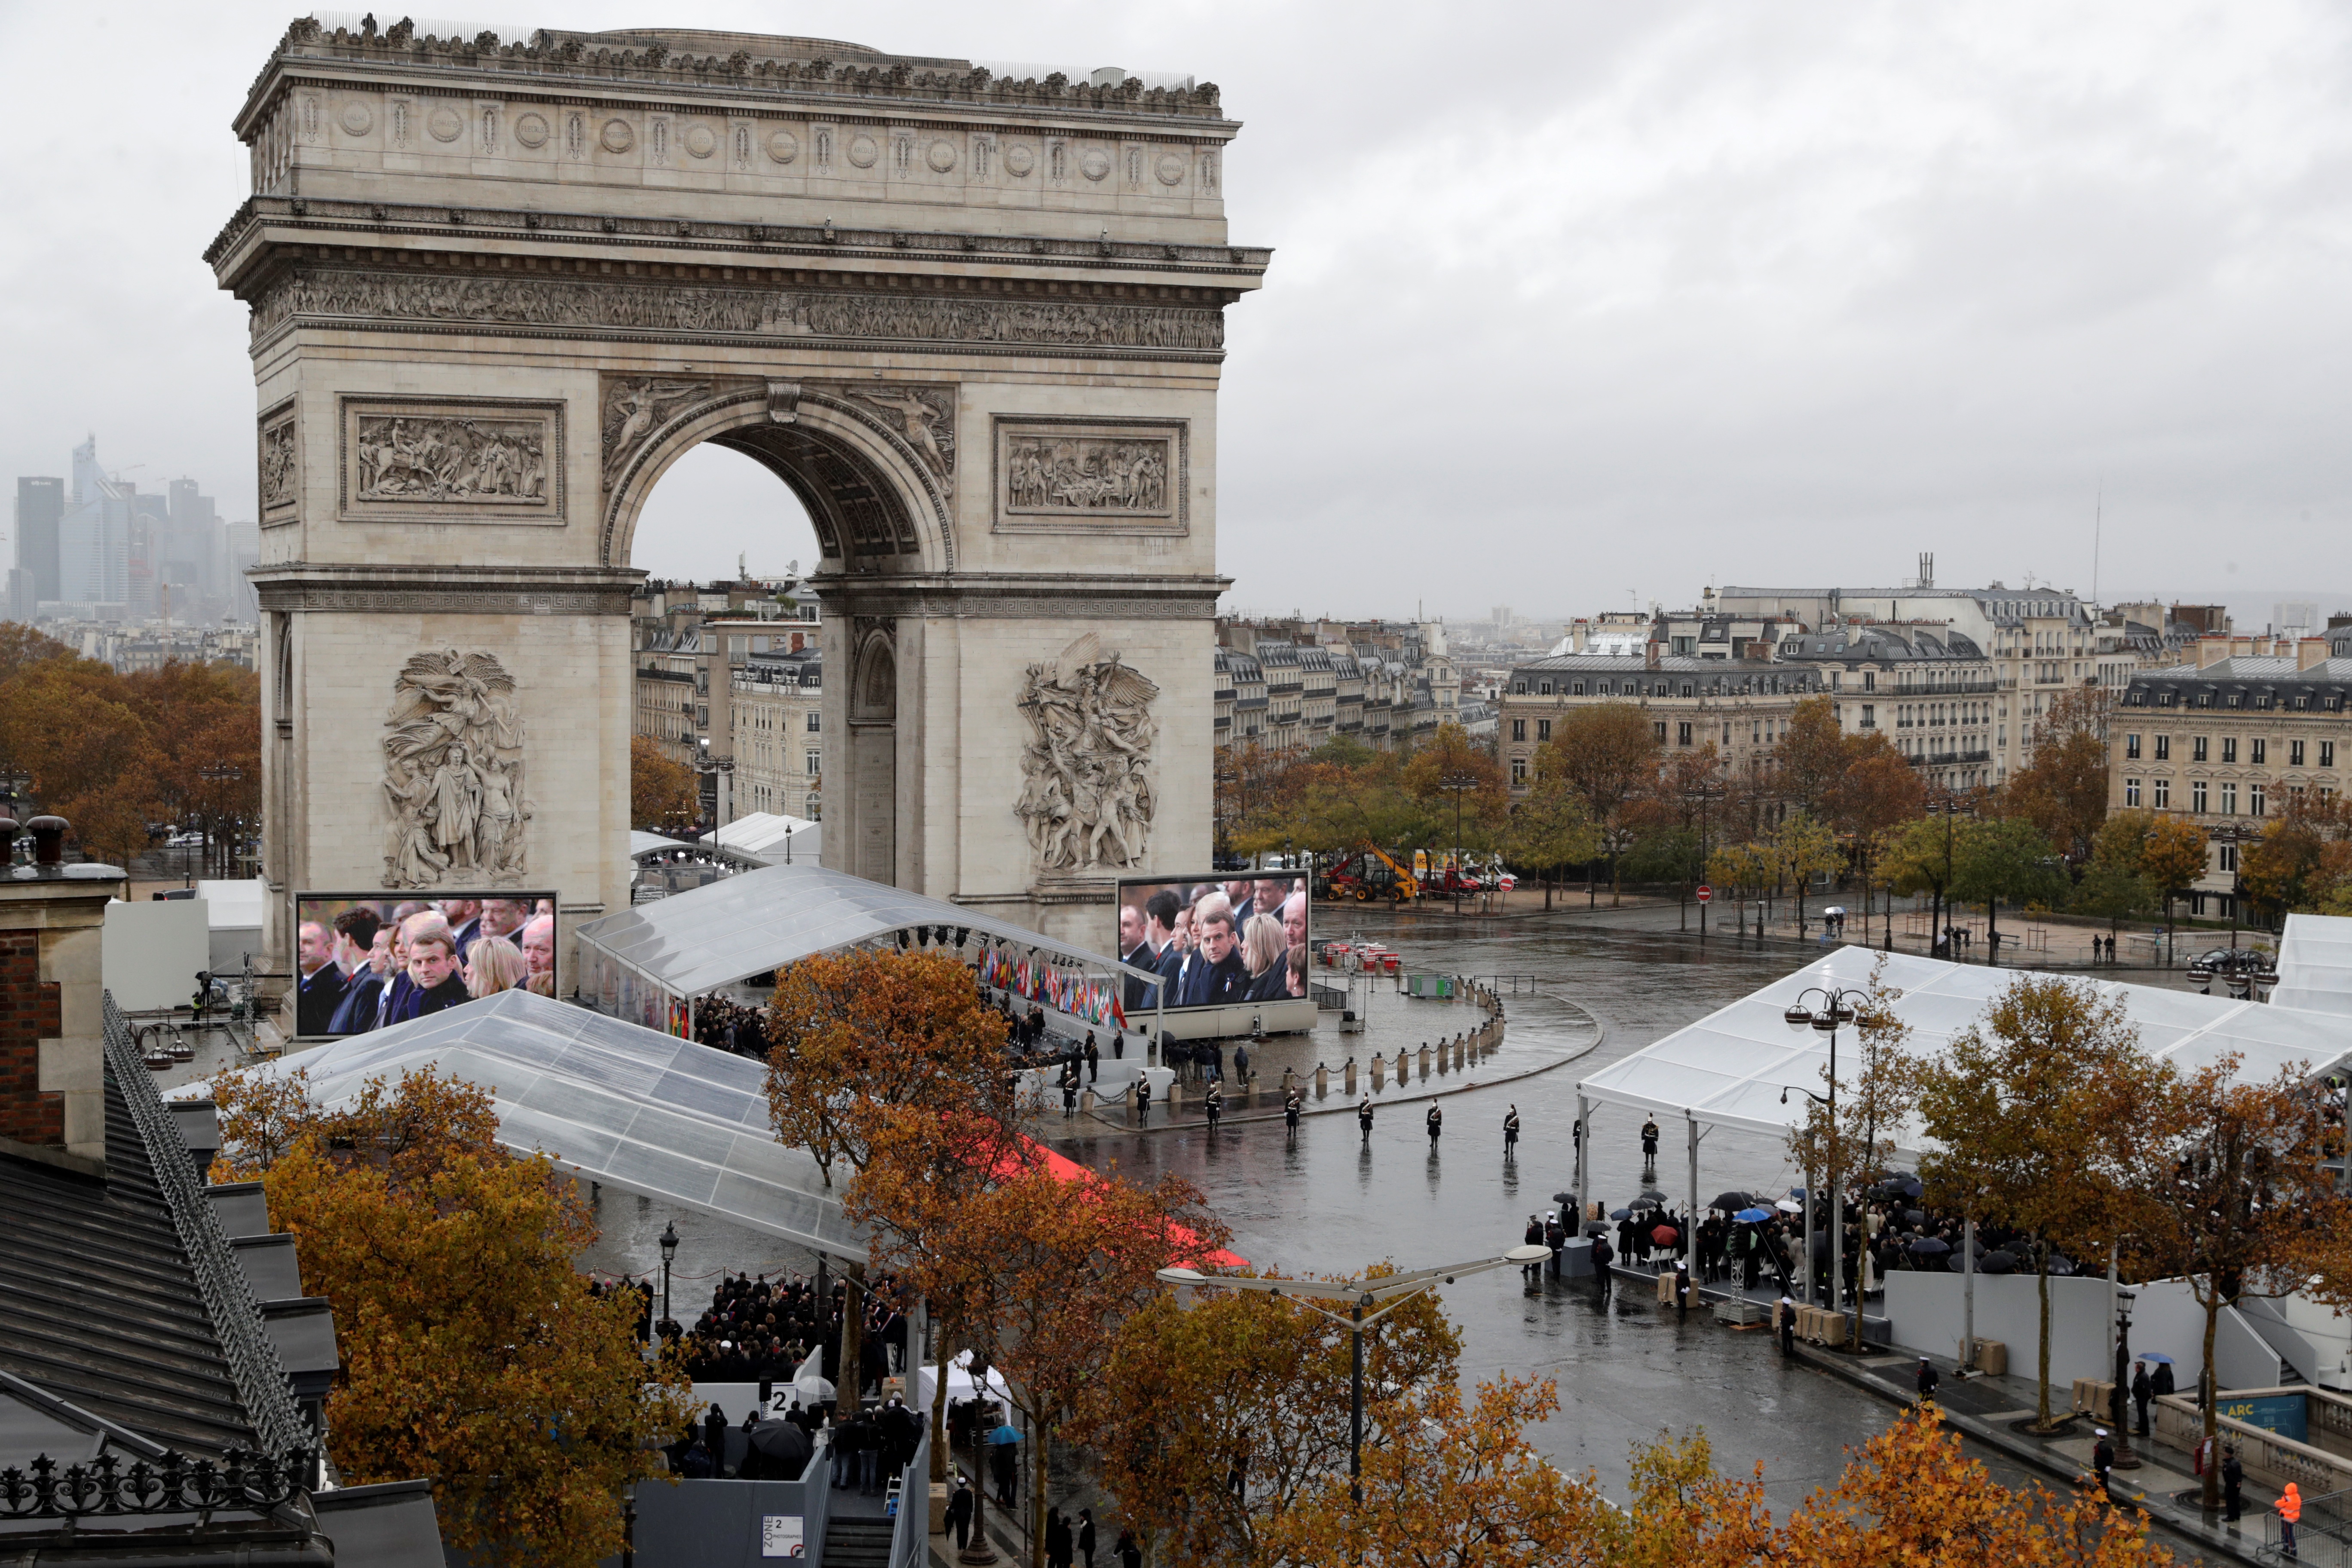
1811 758
1460 785
1067 1264
1801 849
1189 1386
70 725
1467 1491
2234 1196
662 795
1911 1494
1550 829
2037 1112
1608 754
1878 791
472 1349
2173 856
1922 855
2303 861
2064 790
205 720
860 1036
2005 858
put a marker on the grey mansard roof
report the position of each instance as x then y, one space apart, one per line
2244 682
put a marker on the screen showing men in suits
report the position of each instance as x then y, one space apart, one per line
366 963
1216 941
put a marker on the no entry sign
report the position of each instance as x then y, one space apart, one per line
1705 892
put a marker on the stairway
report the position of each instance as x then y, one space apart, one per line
857 1542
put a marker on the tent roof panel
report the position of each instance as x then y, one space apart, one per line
633 1108
1729 1067
694 943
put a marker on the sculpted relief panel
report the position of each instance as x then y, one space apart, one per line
1086 797
452 460
281 465
1111 477
452 773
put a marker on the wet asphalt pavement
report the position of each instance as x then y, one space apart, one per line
1325 1203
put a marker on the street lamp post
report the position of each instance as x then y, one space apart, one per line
1457 783
216 772
2121 1402
1367 1301
669 1256
1837 1008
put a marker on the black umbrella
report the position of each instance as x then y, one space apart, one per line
2000 1260
1931 1247
1731 1202
2060 1266
1915 1216
1652 1195
784 1449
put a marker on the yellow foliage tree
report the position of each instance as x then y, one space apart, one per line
472 1349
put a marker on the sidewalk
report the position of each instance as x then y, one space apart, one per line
1997 1411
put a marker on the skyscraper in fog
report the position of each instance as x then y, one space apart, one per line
40 507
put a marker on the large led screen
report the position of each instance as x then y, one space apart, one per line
1220 942
367 961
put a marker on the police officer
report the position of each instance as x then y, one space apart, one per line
1511 1131
1216 1103
1364 1120
1291 1107
1436 1124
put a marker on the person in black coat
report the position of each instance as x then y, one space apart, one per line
1364 1120
1436 1122
960 1507
2143 1389
2233 1482
1927 1380
1086 1537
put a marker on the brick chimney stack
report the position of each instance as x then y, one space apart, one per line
52 1028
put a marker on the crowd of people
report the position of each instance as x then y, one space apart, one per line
376 963
761 1331
1215 943
729 1026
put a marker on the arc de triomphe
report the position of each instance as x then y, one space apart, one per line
974 323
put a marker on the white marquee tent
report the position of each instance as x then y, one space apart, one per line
1730 1067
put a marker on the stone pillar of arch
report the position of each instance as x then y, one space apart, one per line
498 288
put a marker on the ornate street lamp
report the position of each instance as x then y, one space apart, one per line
669 1256
1836 1010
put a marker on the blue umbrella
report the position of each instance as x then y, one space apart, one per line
2154 1355
1752 1215
1006 1434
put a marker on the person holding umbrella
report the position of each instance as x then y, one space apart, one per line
1000 1462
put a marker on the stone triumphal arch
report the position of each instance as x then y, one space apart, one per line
975 323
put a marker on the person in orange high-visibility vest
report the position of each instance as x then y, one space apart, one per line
2290 1508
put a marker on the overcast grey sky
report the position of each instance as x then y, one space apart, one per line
1571 303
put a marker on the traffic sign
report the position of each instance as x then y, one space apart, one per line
1705 892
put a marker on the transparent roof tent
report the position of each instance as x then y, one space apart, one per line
661 956
629 1107
2314 965
1729 1068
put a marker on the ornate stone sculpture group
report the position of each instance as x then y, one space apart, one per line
452 773
1087 797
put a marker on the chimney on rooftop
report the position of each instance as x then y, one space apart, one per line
2310 652
2211 651
52 1050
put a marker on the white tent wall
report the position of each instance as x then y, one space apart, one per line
149 952
1925 1312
